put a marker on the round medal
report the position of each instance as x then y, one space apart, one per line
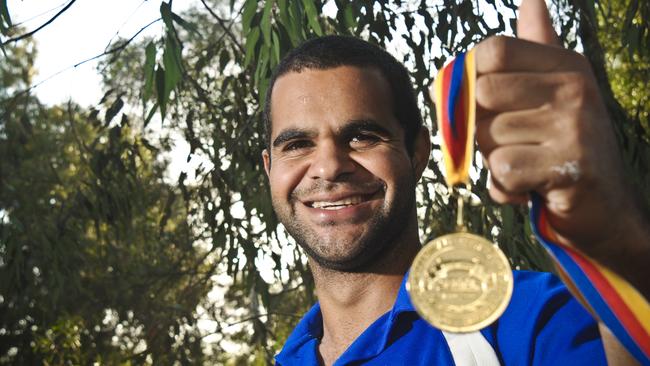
460 282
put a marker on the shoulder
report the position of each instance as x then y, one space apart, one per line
544 324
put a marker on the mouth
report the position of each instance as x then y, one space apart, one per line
334 204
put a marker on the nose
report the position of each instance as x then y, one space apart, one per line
331 162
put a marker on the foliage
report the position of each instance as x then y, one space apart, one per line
97 257
106 257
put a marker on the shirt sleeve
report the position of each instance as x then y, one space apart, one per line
545 325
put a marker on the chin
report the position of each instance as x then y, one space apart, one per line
360 255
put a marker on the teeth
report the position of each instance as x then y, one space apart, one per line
337 205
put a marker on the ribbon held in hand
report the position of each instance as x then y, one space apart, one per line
454 93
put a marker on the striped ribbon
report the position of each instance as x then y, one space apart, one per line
608 296
455 108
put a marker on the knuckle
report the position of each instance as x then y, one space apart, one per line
575 89
496 51
485 90
504 171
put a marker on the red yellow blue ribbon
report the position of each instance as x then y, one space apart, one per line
455 108
608 296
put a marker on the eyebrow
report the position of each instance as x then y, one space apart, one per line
292 134
367 125
350 128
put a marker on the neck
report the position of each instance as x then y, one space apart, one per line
352 301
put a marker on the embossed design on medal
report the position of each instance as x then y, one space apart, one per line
460 282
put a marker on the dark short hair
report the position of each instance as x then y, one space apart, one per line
333 51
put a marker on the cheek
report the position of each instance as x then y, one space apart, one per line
390 167
285 177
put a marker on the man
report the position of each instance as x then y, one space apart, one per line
346 147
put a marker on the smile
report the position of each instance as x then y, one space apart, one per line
340 204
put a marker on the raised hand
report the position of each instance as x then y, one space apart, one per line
542 126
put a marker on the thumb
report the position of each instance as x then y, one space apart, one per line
534 23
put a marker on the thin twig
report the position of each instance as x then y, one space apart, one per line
115 49
225 27
29 34
119 47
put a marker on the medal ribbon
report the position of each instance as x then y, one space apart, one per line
608 296
455 108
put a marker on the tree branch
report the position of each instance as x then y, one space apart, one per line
115 49
119 47
225 27
29 34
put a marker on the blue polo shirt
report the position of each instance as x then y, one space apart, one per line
543 325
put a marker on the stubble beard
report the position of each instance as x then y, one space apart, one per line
382 232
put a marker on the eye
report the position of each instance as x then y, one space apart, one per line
297 145
364 139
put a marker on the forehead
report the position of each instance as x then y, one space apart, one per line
314 97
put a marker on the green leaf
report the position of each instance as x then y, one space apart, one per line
4 12
284 13
151 113
172 64
166 15
286 22
348 16
262 61
296 13
160 90
149 69
250 8
108 93
276 48
266 21
507 220
251 42
113 110
190 27
312 16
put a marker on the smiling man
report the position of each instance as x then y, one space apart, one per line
346 147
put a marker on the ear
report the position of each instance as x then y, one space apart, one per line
266 157
422 152
534 23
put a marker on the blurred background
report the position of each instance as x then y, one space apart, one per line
135 220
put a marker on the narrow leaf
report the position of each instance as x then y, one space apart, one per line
106 95
149 69
276 48
166 15
190 27
160 90
266 21
172 64
312 16
113 110
4 11
251 41
150 115
249 11
348 15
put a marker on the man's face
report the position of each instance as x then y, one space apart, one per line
341 179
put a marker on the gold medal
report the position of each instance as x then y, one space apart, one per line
459 282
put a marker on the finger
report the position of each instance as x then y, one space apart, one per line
515 91
519 91
528 127
520 169
499 195
506 54
534 23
